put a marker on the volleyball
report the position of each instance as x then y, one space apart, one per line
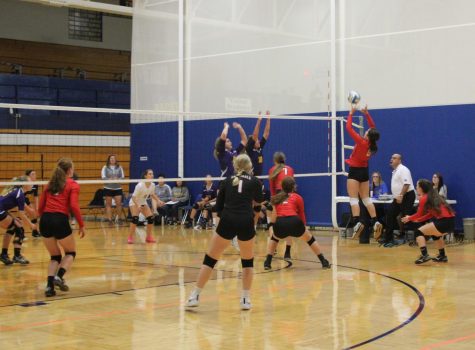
353 97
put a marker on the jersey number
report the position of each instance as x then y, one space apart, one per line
285 171
240 186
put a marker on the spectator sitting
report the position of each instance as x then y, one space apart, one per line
181 195
208 198
377 187
439 186
164 193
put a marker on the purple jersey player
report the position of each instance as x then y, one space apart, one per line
255 146
224 152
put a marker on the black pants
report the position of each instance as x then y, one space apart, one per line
406 207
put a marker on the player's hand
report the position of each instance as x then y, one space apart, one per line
259 115
405 219
236 125
268 114
353 108
365 109
226 125
82 232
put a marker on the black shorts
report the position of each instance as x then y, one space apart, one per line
445 225
358 174
112 193
286 226
55 225
240 225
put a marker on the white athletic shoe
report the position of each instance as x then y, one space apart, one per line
357 230
193 300
235 244
377 229
245 304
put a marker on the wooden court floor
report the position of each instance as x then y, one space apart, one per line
131 297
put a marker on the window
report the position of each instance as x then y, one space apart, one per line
85 25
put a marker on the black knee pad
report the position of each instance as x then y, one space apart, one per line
257 208
11 228
418 233
196 206
209 261
19 235
247 263
269 206
135 220
34 221
435 238
274 239
150 220
311 240
56 258
73 254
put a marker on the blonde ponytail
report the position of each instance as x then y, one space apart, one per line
242 164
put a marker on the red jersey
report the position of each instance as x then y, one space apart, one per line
422 216
292 206
276 183
360 155
63 202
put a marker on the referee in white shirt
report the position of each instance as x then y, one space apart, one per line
402 188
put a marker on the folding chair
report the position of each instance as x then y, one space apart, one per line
96 205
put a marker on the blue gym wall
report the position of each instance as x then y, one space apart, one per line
431 139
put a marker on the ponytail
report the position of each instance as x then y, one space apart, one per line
10 188
373 136
242 165
58 177
434 200
279 160
288 186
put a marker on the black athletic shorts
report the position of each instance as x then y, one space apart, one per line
240 225
358 174
112 193
445 225
55 225
286 226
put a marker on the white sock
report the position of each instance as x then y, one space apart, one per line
246 294
195 292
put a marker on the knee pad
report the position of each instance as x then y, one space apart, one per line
367 201
11 228
150 220
73 254
354 201
56 258
34 221
435 238
247 263
269 206
257 208
135 220
209 261
310 241
418 233
196 206
19 235
274 239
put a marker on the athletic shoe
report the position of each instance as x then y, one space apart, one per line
193 300
326 264
357 230
287 257
150 240
377 230
245 304
197 227
60 283
235 244
441 258
50 292
120 221
4 258
267 264
35 233
389 245
130 240
20 259
422 259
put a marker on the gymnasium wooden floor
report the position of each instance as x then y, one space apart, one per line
131 297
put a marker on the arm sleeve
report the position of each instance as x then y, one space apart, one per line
250 144
35 191
258 194
74 203
220 199
122 174
186 195
220 147
301 209
349 127
263 141
42 204
420 216
103 173
443 192
370 120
